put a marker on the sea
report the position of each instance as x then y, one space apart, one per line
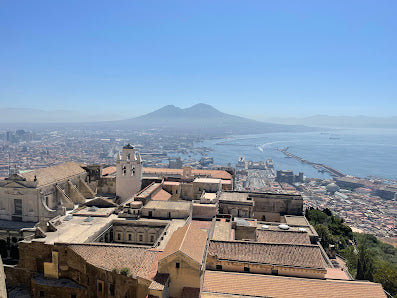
356 152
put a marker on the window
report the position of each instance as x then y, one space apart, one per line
118 236
128 156
41 293
177 265
218 267
46 200
151 238
140 237
100 286
129 237
124 170
246 269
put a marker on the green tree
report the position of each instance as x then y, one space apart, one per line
365 264
316 216
324 234
386 274
350 254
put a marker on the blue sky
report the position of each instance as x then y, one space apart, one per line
250 58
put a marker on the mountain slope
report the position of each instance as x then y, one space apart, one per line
202 118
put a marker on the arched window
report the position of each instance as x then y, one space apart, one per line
124 170
128 156
133 171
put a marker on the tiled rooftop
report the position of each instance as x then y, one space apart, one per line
162 195
271 236
189 240
53 174
222 230
291 255
144 193
258 285
108 170
140 261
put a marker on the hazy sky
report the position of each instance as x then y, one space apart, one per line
250 58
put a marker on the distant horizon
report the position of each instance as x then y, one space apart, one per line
75 116
255 59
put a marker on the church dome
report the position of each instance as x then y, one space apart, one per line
332 187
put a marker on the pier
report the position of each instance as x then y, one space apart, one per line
319 166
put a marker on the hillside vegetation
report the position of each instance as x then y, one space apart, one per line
367 257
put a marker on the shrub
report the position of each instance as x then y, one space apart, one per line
125 271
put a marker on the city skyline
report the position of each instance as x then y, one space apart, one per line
255 60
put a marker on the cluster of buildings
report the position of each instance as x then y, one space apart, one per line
26 150
78 230
360 207
17 136
366 205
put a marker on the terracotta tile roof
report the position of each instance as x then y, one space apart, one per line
271 236
259 285
108 170
148 190
54 174
220 174
189 240
291 255
162 195
140 261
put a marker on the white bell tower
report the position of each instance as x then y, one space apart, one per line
129 173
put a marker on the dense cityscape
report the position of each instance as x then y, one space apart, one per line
367 205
